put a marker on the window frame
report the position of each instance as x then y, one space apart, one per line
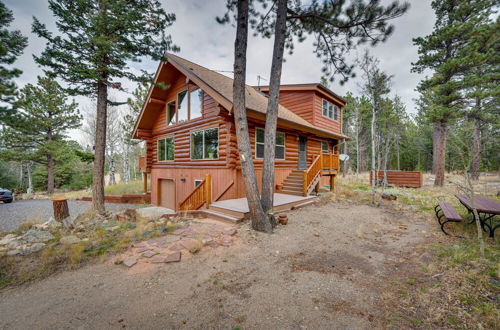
158 148
167 112
189 102
335 110
197 180
203 149
276 145
327 147
177 106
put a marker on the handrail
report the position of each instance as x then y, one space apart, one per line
311 173
200 195
320 162
225 190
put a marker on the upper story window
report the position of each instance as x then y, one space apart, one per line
171 114
330 110
259 144
205 144
182 106
189 105
165 149
195 103
324 147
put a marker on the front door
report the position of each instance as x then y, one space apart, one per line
167 193
302 152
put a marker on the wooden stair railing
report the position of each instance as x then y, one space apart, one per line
322 161
202 194
311 173
224 191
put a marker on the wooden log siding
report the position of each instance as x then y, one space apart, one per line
412 179
300 102
325 122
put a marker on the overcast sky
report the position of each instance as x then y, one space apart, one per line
203 41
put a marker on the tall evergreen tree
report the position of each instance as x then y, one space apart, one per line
337 29
443 52
98 39
12 44
36 130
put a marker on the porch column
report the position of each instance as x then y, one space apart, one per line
332 182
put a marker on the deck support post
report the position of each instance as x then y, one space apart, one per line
145 181
332 182
316 188
208 190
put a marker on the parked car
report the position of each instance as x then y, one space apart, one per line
6 195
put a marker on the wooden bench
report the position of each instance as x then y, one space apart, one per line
446 212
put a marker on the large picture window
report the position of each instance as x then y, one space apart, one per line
165 149
259 144
330 110
324 147
205 144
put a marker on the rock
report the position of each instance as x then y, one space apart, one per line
71 239
153 212
230 231
112 228
37 236
129 262
8 238
14 252
129 215
149 254
31 248
69 222
173 257
141 250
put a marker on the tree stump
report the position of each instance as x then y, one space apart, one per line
61 210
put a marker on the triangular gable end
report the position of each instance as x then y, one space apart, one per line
167 72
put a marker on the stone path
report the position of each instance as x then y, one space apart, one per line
181 242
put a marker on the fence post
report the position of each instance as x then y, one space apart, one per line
208 190
305 184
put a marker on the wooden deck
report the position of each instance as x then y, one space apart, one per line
239 207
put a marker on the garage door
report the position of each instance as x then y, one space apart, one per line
167 193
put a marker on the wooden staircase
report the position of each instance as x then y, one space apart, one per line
294 183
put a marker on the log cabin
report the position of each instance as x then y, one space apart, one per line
191 147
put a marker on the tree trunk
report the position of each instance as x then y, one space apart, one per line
440 131
374 176
476 150
30 178
397 156
50 174
435 138
259 218
345 168
99 148
272 108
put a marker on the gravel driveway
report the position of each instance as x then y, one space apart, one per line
17 212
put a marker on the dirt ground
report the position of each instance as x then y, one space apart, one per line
326 269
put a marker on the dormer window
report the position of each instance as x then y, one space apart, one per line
330 110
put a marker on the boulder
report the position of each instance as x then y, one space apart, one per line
153 212
37 236
129 215
71 239
8 238
31 248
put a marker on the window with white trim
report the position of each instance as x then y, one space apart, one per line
197 182
165 149
330 110
259 144
324 147
205 144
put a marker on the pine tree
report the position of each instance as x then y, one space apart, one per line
337 29
12 44
96 42
36 130
443 52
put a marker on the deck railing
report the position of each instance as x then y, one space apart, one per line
202 194
321 162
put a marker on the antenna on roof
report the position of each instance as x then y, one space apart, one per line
259 77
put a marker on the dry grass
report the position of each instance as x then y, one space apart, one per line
133 187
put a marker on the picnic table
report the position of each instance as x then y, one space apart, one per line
486 208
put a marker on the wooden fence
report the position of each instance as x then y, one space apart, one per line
413 179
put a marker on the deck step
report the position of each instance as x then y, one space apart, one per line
222 216
292 192
233 213
303 204
293 184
